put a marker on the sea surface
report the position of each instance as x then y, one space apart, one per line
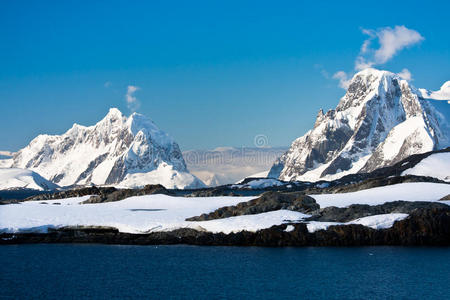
160 272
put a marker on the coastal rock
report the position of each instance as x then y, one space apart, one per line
77 192
268 201
424 227
121 194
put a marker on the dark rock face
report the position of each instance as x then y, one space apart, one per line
92 190
346 187
429 227
118 195
212 192
102 194
269 201
445 198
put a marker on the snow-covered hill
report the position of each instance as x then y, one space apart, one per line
436 165
151 213
13 178
381 120
127 151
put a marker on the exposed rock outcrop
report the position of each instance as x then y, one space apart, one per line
77 192
121 194
269 201
102 194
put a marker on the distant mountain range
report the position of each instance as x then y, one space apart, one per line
381 120
225 165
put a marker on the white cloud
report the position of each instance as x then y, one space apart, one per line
394 40
390 41
405 74
344 81
132 102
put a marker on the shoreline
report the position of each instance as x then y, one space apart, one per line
424 227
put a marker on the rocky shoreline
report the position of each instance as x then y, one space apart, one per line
423 227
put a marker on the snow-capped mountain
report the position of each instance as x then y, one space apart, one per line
381 120
13 178
126 151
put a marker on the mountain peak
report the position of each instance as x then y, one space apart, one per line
109 152
380 120
374 72
114 112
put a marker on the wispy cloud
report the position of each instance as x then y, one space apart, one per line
107 84
344 81
132 102
405 74
390 41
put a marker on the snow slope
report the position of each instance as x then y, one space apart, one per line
115 149
412 191
442 94
436 165
164 213
376 222
259 183
381 120
13 178
134 215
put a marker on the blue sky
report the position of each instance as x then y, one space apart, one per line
210 73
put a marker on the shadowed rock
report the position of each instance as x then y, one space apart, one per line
121 194
269 201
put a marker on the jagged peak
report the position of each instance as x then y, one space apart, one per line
114 116
374 76
114 112
138 121
368 83
319 117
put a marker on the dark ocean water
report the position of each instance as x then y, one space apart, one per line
121 272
